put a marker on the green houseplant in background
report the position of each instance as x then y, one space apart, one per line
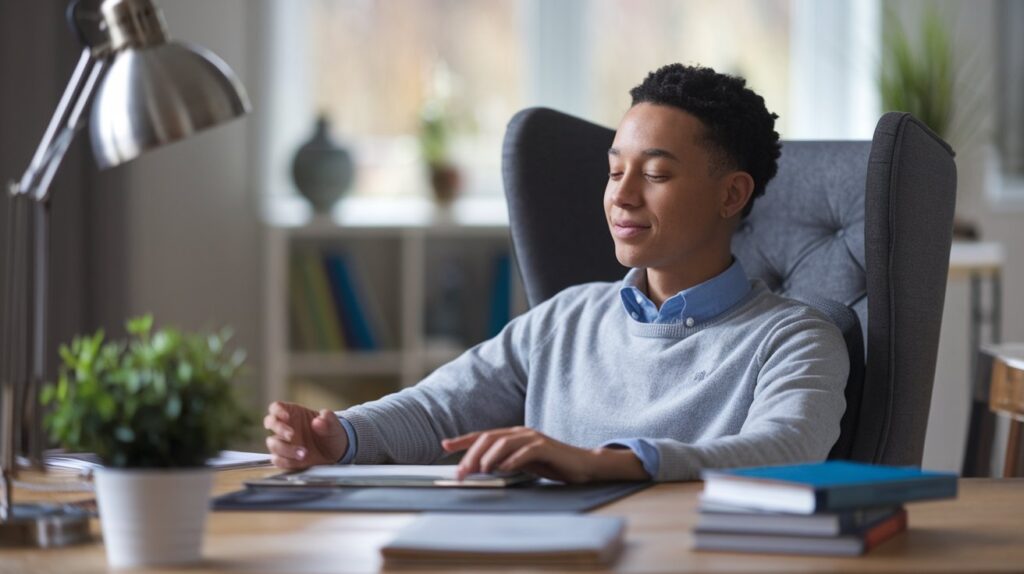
438 121
919 79
919 74
154 408
435 146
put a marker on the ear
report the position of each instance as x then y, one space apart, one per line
737 187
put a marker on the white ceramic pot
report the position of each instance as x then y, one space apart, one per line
153 516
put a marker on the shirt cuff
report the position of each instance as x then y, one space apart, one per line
350 452
644 450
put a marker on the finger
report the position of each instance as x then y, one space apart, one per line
279 410
287 463
502 449
470 462
283 449
274 425
326 424
460 442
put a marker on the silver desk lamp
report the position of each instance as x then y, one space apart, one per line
145 91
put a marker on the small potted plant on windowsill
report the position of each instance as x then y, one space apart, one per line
154 408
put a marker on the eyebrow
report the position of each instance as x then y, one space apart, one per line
651 152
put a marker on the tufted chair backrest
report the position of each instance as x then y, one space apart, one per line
859 230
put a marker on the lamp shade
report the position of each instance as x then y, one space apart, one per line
159 94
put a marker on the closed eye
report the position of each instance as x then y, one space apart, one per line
615 175
653 177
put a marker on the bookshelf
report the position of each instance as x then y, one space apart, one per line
438 280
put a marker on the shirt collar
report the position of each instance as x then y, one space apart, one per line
700 303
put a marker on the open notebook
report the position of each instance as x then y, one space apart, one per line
391 475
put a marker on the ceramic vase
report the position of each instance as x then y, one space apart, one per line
322 169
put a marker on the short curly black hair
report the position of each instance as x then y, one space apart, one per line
739 129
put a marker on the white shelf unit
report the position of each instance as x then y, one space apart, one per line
402 256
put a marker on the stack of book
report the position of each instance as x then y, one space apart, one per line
830 508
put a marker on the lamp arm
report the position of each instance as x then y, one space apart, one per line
65 123
24 330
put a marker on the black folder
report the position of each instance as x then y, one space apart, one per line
537 497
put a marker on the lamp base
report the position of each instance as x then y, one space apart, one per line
44 526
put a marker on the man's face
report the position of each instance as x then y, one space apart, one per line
663 202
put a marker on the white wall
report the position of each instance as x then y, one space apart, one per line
188 237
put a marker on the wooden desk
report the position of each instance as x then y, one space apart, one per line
983 530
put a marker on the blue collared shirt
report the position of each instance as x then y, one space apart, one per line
691 306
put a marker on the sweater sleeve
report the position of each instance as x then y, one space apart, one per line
797 405
483 388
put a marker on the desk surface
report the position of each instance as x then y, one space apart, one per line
982 530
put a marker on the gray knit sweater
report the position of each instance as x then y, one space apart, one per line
762 383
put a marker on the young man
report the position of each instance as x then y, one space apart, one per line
683 365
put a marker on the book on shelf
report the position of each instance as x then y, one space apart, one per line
507 539
344 290
825 486
331 306
727 518
775 542
314 293
303 329
369 303
501 294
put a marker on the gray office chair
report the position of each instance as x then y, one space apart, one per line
857 229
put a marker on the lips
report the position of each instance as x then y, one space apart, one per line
627 229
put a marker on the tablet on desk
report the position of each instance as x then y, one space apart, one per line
391 475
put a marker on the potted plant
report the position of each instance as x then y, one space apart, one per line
919 79
919 74
435 134
154 408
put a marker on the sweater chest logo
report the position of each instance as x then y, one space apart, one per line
699 376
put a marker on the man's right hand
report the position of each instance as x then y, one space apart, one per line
303 437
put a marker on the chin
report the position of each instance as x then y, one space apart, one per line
628 257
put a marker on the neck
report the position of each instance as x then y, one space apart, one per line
664 282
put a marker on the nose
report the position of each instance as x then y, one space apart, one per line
627 191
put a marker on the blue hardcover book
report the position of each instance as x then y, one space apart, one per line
501 295
354 319
827 486
340 302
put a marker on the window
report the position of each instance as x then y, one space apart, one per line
378 63
749 38
373 65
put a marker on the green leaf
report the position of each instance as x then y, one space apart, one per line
140 326
184 371
47 395
106 407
